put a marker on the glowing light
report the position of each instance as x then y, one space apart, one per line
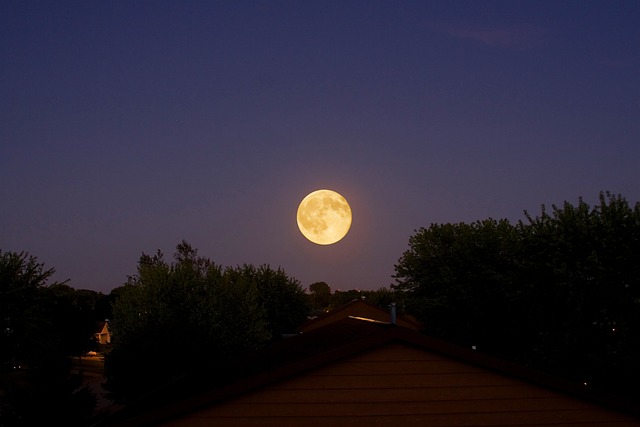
324 217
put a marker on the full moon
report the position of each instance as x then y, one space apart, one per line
324 217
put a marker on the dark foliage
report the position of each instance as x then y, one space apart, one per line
559 292
42 328
172 318
319 297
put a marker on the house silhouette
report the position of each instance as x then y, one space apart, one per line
365 372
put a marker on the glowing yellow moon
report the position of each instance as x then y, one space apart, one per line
324 217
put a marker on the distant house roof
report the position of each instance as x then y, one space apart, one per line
102 326
359 308
372 372
103 333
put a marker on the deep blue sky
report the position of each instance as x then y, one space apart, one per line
128 126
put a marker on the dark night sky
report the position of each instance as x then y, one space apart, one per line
128 126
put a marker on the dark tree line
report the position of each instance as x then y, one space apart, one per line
191 313
42 327
167 319
559 291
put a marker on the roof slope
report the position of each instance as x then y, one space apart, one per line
336 347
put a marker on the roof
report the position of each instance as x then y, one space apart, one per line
359 308
319 347
100 326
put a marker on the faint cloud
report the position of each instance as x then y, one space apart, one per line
518 37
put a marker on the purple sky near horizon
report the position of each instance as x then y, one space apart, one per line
129 126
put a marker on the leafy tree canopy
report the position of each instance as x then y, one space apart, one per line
559 291
194 313
319 296
40 333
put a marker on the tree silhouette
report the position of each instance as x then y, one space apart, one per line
36 345
173 317
560 291
320 296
